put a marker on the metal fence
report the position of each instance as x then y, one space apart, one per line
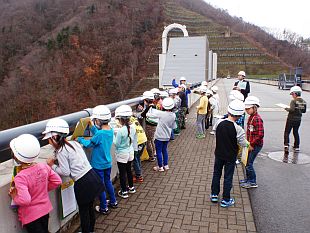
37 128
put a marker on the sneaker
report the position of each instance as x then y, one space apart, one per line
101 211
112 205
249 185
212 133
237 162
200 136
243 181
160 169
140 179
132 190
296 149
286 148
166 167
176 134
152 159
214 198
229 203
123 194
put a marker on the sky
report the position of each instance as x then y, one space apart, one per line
275 14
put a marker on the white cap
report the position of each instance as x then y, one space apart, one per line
101 112
236 95
182 79
57 125
174 91
295 89
123 111
214 88
236 108
148 95
250 101
242 73
26 148
168 103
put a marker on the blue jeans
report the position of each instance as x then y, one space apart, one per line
229 168
137 161
162 152
106 179
250 172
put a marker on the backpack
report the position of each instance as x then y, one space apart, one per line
301 105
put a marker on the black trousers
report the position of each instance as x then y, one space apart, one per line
38 226
288 128
87 217
125 170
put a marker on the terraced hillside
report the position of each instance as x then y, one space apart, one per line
235 51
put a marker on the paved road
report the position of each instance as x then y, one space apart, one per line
281 203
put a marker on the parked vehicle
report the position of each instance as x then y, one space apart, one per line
286 81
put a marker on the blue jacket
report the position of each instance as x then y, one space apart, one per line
187 91
101 142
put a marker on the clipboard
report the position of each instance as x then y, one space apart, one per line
82 129
282 105
244 155
67 199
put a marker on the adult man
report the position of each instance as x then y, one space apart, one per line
242 85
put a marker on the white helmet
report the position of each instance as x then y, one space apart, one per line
203 89
163 94
155 91
236 108
182 79
148 95
295 89
101 112
209 92
173 91
26 148
204 83
123 111
168 103
242 73
250 101
54 126
214 89
236 95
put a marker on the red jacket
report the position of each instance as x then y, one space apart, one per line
255 130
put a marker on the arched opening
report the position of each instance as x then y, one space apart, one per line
166 31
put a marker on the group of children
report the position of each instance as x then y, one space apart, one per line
30 187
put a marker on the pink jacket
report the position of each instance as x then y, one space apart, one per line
33 185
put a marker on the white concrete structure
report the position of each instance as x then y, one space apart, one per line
214 67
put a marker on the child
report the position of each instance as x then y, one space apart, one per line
177 104
297 107
70 160
101 159
165 125
150 123
32 184
202 109
124 151
228 136
139 145
255 135
215 108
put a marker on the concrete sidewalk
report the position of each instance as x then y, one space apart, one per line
177 200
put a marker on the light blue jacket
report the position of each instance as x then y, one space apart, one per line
101 142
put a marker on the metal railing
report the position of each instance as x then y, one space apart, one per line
37 128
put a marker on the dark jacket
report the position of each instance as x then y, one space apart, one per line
245 91
295 109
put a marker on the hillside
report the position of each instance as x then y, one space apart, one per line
57 57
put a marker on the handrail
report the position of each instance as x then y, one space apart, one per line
37 128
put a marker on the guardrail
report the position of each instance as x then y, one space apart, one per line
37 128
